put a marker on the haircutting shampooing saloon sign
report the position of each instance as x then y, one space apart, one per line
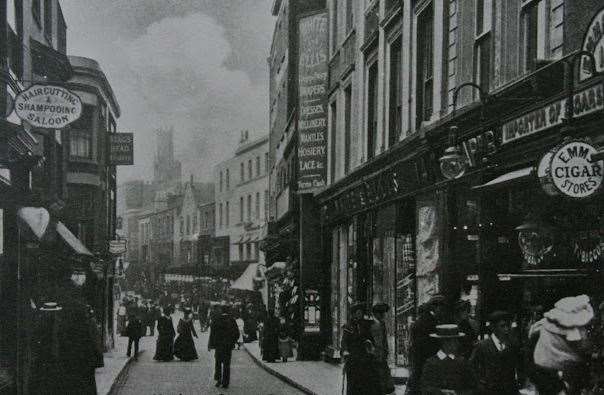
48 107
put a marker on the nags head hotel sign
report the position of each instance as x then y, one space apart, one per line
312 91
48 107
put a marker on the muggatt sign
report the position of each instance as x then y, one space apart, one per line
48 107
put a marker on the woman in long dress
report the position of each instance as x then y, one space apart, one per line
184 346
270 338
164 350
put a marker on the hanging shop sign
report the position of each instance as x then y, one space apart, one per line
572 171
585 102
476 148
48 106
117 247
312 91
593 42
121 149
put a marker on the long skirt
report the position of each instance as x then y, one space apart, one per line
362 378
164 350
184 348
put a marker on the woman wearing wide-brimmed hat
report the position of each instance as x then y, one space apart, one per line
358 351
447 372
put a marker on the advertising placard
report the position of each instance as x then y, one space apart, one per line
572 170
121 149
312 91
48 106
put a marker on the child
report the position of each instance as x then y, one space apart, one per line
285 343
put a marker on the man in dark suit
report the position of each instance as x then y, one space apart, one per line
496 360
422 345
447 372
134 331
223 337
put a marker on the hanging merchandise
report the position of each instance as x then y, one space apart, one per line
536 240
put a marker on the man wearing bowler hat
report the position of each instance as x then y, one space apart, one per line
358 352
380 342
496 359
447 372
422 345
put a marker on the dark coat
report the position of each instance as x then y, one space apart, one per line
360 367
380 342
164 350
496 370
422 348
467 343
134 329
223 333
270 339
451 374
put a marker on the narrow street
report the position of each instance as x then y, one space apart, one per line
150 377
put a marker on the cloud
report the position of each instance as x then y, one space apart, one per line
196 65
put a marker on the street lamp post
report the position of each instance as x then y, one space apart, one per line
453 163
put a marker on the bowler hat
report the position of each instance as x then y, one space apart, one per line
447 331
499 315
380 307
357 306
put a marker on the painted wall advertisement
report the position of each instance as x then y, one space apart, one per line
312 117
121 149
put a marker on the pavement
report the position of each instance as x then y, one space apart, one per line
311 377
116 362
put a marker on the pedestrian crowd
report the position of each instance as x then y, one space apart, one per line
561 354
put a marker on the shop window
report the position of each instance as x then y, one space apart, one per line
372 109
395 110
482 63
425 65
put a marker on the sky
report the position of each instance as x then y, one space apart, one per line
198 66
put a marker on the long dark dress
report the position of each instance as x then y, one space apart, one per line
362 377
164 350
184 347
270 340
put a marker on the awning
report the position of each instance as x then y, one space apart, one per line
506 178
36 219
245 282
71 240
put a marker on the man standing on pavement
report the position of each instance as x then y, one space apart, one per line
223 337
423 346
380 342
496 359
134 331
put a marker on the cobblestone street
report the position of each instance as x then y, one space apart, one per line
150 377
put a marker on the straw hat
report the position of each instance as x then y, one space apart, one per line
51 306
447 331
572 311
